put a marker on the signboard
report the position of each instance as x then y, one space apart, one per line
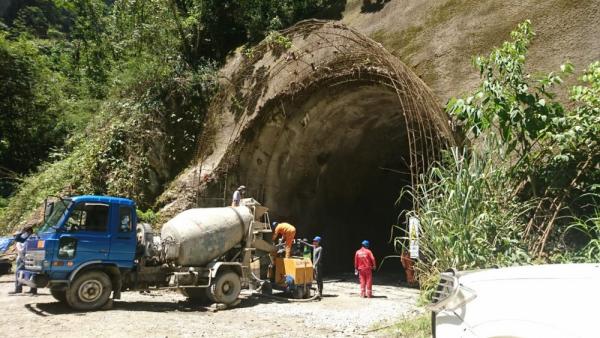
413 235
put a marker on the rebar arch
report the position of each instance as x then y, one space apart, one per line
325 132
328 54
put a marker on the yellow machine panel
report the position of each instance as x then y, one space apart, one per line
300 269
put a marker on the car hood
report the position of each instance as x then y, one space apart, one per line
547 271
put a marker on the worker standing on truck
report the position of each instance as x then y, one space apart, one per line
237 196
20 239
364 264
318 264
287 232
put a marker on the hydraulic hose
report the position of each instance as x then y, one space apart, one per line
292 300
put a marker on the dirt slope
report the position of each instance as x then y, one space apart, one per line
438 38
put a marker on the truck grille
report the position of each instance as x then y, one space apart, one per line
34 260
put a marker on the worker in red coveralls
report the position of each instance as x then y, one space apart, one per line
364 264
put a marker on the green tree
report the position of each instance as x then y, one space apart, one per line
30 124
556 149
527 187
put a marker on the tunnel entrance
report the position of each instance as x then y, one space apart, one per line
325 133
333 163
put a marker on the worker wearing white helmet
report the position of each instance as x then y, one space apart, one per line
237 196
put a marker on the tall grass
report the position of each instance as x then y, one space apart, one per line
469 216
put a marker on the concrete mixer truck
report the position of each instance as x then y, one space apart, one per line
91 246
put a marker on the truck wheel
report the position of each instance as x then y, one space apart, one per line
59 295
226 287
89 291
196 295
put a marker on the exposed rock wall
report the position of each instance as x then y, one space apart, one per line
438 38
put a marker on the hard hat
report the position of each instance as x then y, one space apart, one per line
317 239
242 187
274 224
365 243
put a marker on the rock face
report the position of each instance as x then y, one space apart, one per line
324 132
437 39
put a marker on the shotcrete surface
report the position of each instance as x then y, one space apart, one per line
168 314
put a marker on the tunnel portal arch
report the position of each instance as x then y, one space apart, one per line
325 133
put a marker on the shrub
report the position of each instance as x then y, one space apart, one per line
528 181
469 216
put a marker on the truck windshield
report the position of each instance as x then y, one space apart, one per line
52 221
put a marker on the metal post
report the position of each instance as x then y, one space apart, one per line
225 191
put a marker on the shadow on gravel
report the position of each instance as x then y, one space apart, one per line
50 309
57 308
379 278
182 306
255 300
258 300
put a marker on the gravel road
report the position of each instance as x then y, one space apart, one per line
168 314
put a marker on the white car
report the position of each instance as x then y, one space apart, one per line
549 301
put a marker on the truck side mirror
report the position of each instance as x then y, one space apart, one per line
48 208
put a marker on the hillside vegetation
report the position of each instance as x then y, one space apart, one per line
109 97
525 188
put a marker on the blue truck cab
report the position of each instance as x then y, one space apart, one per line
83 251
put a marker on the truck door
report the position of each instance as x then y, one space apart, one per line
86 237
123 240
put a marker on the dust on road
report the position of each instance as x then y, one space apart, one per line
168 314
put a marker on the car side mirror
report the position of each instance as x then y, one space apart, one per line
48 208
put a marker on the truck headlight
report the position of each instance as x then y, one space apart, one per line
450 294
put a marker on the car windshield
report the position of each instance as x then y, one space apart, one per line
59 209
